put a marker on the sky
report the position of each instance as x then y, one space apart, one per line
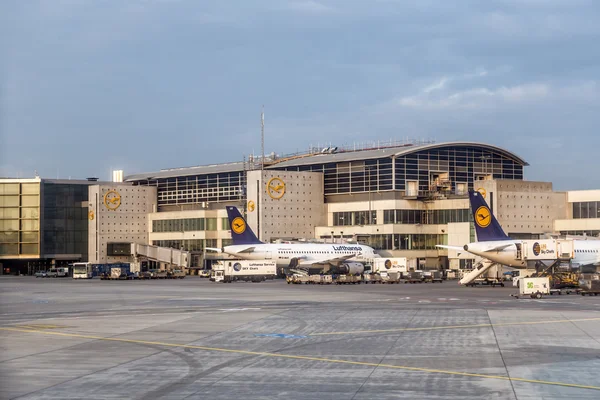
88 86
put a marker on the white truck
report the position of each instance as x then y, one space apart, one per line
243 270
390 265
534 287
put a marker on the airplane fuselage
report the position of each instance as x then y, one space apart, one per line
516 254
311 253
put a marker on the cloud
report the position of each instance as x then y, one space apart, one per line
310 6
436 86
475 97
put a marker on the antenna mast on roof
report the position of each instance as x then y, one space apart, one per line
262 137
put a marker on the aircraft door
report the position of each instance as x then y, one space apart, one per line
267 255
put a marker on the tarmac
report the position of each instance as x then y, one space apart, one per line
194 339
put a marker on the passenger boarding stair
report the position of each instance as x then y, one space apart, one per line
479 269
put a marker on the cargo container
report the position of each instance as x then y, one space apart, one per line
243 270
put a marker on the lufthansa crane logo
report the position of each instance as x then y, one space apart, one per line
238 225
536 249
482 192
251 206
483 217
112 200
276 188
388 264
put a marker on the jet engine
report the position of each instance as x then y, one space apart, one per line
351 268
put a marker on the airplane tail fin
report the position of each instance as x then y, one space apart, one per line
240 231
486 225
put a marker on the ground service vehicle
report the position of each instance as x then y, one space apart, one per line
534 287
390 265
82 271
59 272
243 270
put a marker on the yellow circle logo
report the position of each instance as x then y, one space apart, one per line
91 215
483 217
112 200
276 188
482 192
251 206
238 225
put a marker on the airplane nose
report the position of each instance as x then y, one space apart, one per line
466 247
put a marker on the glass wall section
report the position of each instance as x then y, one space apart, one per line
443 169
196 245
219 187
19 219
342 218
65 222
178 225
358 176
406 241
362 218
426 216
586 209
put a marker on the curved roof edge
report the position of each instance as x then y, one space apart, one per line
425 147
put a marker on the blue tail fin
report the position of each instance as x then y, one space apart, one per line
240 231
486 225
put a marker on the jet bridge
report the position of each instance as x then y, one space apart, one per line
173 257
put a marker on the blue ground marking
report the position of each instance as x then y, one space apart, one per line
280 335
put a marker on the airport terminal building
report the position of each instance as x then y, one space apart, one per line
400 198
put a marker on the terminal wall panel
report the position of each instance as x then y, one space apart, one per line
524 207
285 204
118 214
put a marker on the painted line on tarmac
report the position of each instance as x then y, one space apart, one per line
433 328
307 358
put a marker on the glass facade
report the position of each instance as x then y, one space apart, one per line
586 209
65 220
196 245
354 218
451 168
20 219
188 224
405 241
227 186
426 216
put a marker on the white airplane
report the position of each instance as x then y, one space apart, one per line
494 245
345 258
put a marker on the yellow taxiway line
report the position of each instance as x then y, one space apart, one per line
307 358
433 328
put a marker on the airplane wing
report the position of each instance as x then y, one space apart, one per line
213 249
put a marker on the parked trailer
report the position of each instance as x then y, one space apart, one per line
347 279
243 270
590 285
533 287
310 279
